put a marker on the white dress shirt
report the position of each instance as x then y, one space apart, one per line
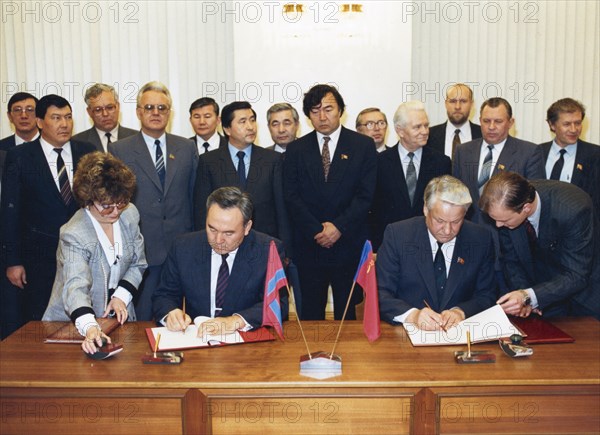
569 158
52 157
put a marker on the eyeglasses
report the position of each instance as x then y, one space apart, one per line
100 109
371 124
106 209
162 108
29 110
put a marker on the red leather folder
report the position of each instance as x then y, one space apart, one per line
539 331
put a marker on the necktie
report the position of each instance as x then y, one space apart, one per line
325 157
486 169
205 145
439 271
558 166
241 168
108 141
456 140
222 279
411 178
160 163
63 178
531 235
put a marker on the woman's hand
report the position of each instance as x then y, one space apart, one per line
93 338
119 307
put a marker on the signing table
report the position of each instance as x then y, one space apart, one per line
387 387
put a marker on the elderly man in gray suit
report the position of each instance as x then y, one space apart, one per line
165 170
103 107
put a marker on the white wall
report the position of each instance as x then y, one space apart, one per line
531 53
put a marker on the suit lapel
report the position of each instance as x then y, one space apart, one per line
46 177
172 161
400 181
425 265
457 268
506 157
228 171
254 171
314 163
201 275
239 272
144 160
579 164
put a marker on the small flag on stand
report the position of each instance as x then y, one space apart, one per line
367 279
274 280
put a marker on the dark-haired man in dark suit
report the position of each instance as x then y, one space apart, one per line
567 157
36 201
404 170
204 118
329 182
251 168
550 245
220 271
458 129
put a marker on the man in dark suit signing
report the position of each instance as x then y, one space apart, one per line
204 118
251 168
36 201
165 169
103 107
551 256
476 161
439 259
567 157
404 170
329 181
220 271
445 137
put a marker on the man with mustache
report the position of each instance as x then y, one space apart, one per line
36 201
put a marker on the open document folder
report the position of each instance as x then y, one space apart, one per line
488 325
177 340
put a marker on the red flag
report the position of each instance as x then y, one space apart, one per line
274 280
367 279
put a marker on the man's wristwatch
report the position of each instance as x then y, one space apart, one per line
526 298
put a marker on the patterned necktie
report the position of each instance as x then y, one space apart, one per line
160 163
456 140
222 280
63 178
486 169
205 145
411 178
439 271
325 157
108 141
241 168
558 166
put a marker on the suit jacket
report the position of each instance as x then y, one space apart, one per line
222 141
405 273
560 269
264 184
83 272
186 273
392 202
164 213
32 209
517 155
7 143
92 137
586 170
344 200
437 136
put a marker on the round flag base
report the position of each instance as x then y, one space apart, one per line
320 365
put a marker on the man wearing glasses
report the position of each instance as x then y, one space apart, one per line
165 169
458 129
103 107
21 114
36 201
372 122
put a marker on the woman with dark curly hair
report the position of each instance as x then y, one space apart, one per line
100 256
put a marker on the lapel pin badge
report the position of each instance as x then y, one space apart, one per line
460 260
579 167
171 157
344 157
501 167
